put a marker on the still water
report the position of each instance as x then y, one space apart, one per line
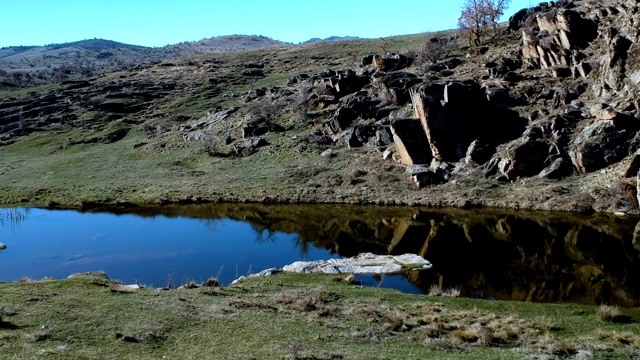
490 254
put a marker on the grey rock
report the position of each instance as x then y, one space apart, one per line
267 272
327 153
3 246
366 263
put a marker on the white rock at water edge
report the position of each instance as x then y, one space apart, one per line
366 263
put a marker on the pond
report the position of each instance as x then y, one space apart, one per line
491 254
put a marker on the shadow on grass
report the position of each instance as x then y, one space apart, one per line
5 325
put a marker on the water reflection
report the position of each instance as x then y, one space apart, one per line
518 255
13 217
526 256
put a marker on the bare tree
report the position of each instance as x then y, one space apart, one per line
478 15
495 10
473 20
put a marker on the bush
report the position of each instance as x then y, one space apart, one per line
213 144
437 48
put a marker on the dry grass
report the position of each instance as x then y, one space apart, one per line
295 316
436 290
611 314
607 313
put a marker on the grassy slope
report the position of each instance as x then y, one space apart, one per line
291 316
43 168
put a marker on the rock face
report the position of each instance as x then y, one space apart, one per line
556 38
366 263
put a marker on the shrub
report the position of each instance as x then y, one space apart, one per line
213 144
437 48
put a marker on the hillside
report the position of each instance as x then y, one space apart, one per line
543 115
27 66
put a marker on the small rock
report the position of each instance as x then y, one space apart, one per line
3 246
267 272
327 153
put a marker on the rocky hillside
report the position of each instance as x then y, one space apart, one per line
544 115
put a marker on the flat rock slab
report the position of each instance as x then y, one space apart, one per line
366 263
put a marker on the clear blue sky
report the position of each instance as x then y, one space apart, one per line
162 22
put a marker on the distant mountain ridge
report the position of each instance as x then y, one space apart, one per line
91 45
33 65
331 38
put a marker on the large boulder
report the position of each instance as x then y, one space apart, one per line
366 263
411 142
399 83
523 157
345 82
391 62
601 143
455 114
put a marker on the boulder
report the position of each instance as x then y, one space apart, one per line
263 273
613 70
246 147
411 142
444 119
253 65
581 70
399 83
603 112
347 82
358 106
3 246
391 62
427 178
600 144
634 167
558 169
523 157
517 20
384 136
253 72
366 263
478 153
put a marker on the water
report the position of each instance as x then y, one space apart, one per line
488 254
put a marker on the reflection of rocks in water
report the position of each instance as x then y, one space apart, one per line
636 237
502 254
527 258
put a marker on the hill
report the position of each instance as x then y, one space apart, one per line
332 38
22 66
542 115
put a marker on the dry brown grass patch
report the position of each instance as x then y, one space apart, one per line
623 338
313 301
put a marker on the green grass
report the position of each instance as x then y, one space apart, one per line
19 93
285 316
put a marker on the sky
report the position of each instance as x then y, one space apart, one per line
161 22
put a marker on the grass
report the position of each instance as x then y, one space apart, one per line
27 91
291 316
